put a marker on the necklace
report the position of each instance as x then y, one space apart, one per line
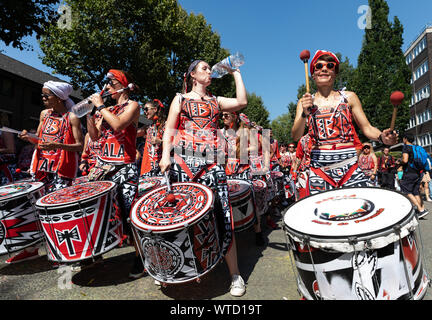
202 97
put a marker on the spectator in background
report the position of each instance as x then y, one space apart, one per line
368 162
386 170
412 177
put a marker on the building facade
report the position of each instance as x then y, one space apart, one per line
20 93
419 57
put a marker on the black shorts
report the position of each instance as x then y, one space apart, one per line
410 183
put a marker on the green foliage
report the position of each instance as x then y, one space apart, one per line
21 18
256 111
382 70
281 126
154 40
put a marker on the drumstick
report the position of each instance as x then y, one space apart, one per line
304 56
396 99
170 196
31 135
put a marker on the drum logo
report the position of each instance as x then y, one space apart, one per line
344 209
68 236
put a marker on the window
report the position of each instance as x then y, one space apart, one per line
423 93
6 87
421 70
416 51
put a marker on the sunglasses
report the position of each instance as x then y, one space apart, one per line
225 115
329 65
366 147
46 96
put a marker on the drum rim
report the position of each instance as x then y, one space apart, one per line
20 194
234 196
359 237
38 204
173 228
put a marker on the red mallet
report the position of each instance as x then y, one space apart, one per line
396 99
305 56
171 198
18 170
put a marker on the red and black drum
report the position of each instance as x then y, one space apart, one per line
79 180
277 178
240 193
356 244
179 240
149 183
260 193
81 221
19 224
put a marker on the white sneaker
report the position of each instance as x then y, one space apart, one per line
157 283
238 287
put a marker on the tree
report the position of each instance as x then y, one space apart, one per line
382 69
21 18
256 111
155 40
281 126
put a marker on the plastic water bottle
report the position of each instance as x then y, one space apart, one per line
232 62
82 108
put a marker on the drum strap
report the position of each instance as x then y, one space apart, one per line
193 177
319 172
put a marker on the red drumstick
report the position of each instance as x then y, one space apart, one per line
396 99
304 56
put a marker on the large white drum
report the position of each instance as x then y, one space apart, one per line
19 224
356 244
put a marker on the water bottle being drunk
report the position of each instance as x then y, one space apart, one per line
82 108
232 62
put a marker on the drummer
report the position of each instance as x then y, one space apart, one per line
329 115
196 149
152 153
55 160
89 154
300 166
117 127
237 130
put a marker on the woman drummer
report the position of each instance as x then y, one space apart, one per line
152 153
116 128
329 115
191 128
238 165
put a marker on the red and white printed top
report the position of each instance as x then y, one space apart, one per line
56 128
118 146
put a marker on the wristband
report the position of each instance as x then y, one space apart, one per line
304 115
93 111
100 107
380 139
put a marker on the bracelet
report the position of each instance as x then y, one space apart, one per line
304 115
380 139
100 107
93 111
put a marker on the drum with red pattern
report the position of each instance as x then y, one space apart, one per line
81 221
260 193
356 244
149 183
242 203
19 224
79 180
179 240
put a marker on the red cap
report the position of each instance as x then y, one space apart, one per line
319 54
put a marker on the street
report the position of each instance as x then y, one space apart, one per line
268 272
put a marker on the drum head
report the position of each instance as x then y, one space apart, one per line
18 189
76 193
237 187
150 183
153 213
350 212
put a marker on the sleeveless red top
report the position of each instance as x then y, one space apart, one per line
118 146
152 153
332 125
198 125
56 128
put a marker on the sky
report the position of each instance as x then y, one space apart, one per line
271 34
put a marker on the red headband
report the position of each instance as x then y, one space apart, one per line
159 103
319 54
120 76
